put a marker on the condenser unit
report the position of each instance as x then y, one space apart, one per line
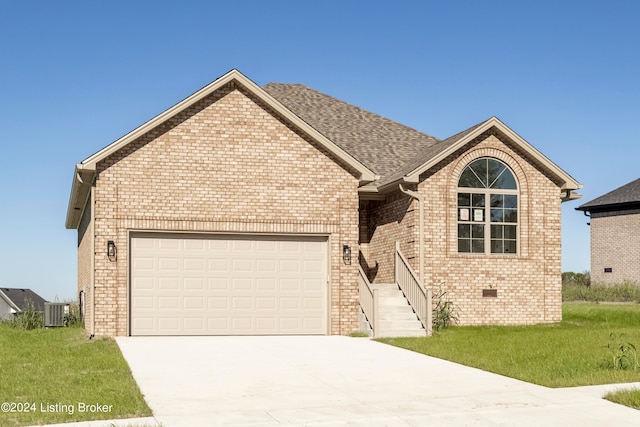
55 313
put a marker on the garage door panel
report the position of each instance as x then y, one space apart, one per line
194 264
168 264
194 284
266 303
193 303
168 283
242 265
218 283
169 303
143 303
170 325
141 264
168 244
312 285
266 285
266 265
228 285
243 325
241 284
141 283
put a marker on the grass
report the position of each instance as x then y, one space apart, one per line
55 371
571 353
623 292
630 397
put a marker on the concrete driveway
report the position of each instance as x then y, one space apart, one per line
340 381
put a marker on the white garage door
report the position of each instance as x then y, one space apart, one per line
228 285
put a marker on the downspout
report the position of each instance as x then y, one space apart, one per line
93 264
420 200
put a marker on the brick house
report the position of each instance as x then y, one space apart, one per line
282 210
615 235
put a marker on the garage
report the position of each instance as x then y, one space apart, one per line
191 284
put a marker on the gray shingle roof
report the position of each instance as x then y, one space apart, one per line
379 143
428 154
20 297
627 195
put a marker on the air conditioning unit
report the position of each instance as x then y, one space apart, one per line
55 313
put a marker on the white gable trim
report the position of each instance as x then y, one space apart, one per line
568 182
85 171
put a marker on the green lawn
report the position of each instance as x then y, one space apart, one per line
571 353
55 375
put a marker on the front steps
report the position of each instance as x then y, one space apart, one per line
395 317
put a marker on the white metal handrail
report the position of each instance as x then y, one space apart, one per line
418 297
368 300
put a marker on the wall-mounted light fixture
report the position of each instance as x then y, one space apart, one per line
111 250
346 254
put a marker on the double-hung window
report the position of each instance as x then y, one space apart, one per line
487 208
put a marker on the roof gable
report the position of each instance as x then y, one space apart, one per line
625 196
433 155
19 298
85 170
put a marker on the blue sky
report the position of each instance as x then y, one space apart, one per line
76 75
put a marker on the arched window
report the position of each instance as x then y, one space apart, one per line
487 208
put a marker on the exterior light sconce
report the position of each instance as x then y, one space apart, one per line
346 254
111 250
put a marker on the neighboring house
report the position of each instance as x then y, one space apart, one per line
615 235
266 210
13 300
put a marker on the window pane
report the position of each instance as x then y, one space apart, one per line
464 231
510 232
510 246
480 168
497 200
477 231
510 201
469 179
497 247
506 181
497 215
495 170
477 200
464 215
464 199
510 215
477 245
478 215
496 231
464 245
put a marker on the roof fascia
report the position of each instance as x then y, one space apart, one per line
611 207
369 193
366 175
568 183
80 190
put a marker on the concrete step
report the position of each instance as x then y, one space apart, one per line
388 302
397 315
385 290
